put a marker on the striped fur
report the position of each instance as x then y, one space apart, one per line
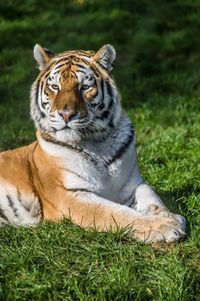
83 165
99 105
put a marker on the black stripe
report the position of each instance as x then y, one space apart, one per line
63 59
82 52
19 195
25 205
93 104
95 82
47 74
101 105
45 103
102 89
55 72
61 74
81 71
94 71
37 99
109 89
102 66
48 52
106 113
110 104
61 65
48 70
42 104
42 128
3 216
78 189
110 124
84 61
76 149
80 66
123 147
74 74
74 189
11 204
37 92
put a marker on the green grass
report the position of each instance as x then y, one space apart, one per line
63 262
158 72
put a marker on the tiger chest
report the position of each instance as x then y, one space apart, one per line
91 174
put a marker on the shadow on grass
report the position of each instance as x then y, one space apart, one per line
174 199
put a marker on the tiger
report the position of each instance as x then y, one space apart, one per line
83 164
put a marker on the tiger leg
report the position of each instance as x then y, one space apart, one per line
91 211
148 202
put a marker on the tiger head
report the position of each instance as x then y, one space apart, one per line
74 96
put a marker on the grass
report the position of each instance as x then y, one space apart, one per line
63 262
158 71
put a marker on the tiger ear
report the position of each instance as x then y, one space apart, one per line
105 56
42 56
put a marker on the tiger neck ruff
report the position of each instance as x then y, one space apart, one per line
83 165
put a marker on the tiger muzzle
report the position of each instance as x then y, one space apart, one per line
68 115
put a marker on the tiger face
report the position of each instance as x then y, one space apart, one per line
74 94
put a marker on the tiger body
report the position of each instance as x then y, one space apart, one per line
83 165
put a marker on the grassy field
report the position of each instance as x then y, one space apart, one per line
158 72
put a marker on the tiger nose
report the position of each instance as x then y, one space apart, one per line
67 115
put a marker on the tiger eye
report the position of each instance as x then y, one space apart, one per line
85 87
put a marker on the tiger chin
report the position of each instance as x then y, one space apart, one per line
83 165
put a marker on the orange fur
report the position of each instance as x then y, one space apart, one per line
32 170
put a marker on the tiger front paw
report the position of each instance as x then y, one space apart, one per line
158 225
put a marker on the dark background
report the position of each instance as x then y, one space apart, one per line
158 42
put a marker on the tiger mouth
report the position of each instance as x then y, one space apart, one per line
63 128
77 124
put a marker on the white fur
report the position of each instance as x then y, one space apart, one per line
24 210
